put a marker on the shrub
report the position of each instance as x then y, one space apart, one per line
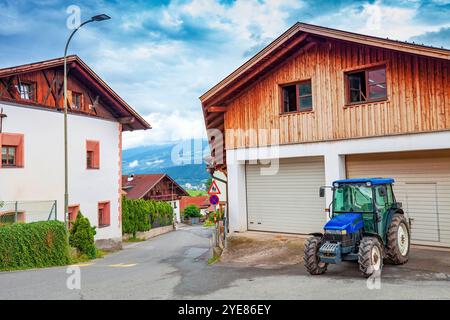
192 211
82 236
33 245
135 215
141 215
163 214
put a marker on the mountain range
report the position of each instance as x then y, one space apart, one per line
181 160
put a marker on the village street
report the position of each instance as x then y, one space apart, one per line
174 266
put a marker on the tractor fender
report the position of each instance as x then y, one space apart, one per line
369 234
316 234
391 214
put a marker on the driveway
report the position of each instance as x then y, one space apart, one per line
174 266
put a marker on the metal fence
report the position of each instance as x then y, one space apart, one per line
27 211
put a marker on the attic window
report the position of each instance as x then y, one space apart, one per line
366 85
26 90
77 99
297 97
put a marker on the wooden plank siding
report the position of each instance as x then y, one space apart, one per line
43 80
418 98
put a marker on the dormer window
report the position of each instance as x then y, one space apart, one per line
26 90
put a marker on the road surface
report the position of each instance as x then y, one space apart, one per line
174 266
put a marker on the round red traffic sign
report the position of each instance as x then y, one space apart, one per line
214 199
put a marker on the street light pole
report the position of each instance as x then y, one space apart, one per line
100 17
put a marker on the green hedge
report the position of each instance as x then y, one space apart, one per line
33 245
140 215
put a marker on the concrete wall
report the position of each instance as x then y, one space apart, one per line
42 177
334 154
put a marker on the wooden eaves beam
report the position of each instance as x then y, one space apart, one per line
214 109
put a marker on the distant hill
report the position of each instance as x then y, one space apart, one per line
183 161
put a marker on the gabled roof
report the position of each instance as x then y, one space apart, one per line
303 30
141 184
81 69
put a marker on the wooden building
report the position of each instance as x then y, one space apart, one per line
158 187
320 104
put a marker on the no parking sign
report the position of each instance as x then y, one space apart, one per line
214 199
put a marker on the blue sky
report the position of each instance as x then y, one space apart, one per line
160 56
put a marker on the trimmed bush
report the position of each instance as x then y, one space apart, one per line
82 236
33 245
192 211
141 215
135 215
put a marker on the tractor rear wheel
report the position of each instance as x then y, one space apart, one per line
370 256
398 240
311 257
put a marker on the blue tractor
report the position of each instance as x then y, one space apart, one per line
366 224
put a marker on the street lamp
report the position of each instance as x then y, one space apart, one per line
97 18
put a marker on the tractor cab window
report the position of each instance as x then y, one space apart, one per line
383 197
353 198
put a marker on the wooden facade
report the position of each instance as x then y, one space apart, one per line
158 187
418 94
46 80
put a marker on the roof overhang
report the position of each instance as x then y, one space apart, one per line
124 113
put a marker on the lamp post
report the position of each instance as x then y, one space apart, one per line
97 18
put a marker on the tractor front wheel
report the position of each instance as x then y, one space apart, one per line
311 257
398 240
370 256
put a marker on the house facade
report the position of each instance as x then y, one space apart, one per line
318 105
158 187
32 142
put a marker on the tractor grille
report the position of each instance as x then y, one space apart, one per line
344 239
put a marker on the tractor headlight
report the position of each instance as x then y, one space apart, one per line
336 232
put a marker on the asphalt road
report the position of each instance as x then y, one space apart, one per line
174 266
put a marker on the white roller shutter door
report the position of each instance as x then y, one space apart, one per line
287 201
422 185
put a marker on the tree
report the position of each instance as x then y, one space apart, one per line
192 211
82 236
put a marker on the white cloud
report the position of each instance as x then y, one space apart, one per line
167 127
133 164
378 19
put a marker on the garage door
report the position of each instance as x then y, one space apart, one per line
422 185
287 201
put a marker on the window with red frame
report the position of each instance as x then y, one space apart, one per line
73 213
92 154
12 145
297 97
104 214
366 85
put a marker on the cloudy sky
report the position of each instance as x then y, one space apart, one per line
160 56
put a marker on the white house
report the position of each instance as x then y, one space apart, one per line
318 105
32 143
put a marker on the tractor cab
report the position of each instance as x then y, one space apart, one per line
365 220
